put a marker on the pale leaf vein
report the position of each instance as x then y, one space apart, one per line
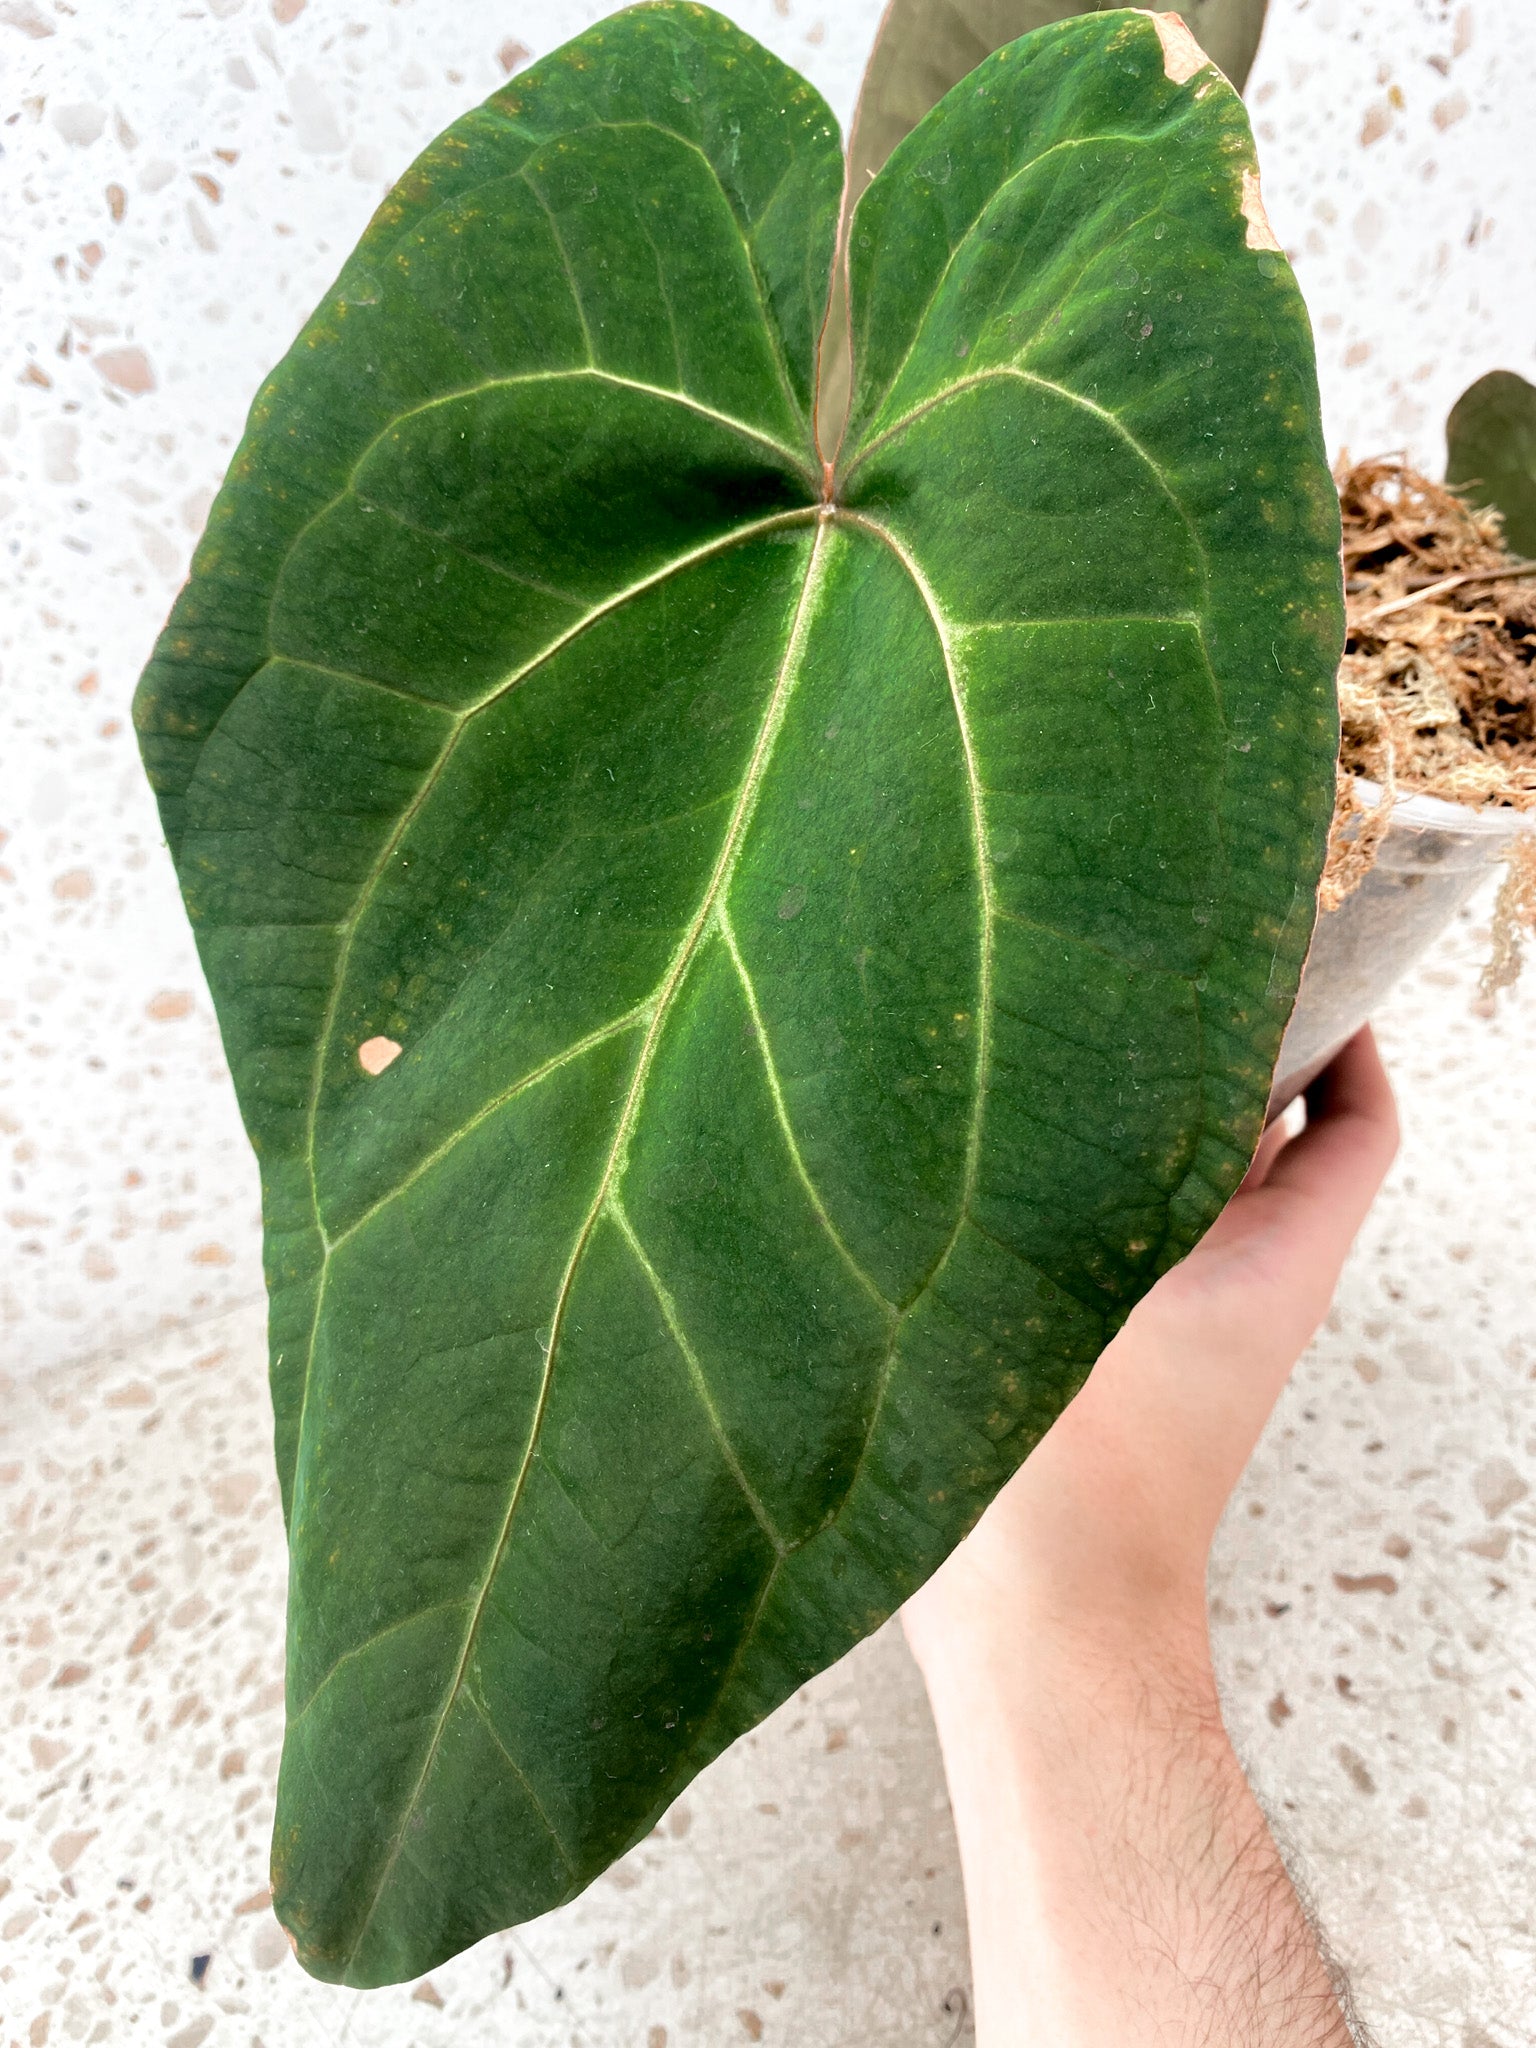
781 1112
523 1780
998 191
611 1173
669 1311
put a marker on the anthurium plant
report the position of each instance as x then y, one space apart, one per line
742 954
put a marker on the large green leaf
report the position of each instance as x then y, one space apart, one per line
837 945
1490 448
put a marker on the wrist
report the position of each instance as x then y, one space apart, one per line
1019 1678
995 1625
1120 1878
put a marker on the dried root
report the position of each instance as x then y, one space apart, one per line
1437 688
1514 914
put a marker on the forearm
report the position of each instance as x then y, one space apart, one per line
1123 1888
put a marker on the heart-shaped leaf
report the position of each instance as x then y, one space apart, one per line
1490 445
736 985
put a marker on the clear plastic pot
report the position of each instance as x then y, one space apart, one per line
1431 858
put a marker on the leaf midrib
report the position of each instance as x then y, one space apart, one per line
349 928
799 516
604 1201
612 1169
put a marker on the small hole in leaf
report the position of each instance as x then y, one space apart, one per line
375 1054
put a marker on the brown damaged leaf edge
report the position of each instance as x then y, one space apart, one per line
739 972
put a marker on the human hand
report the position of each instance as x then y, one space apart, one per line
1122 1885
1111 1518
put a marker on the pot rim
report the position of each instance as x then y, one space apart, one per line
1437 814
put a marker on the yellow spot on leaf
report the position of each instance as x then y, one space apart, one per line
1260 234
375 1054
1182 55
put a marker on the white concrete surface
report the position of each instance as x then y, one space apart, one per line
1374 1620
178 184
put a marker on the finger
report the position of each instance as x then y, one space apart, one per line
1273 1142
1341 1158
1354 1079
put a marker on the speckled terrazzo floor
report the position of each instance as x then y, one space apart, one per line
1374 1617
178 184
